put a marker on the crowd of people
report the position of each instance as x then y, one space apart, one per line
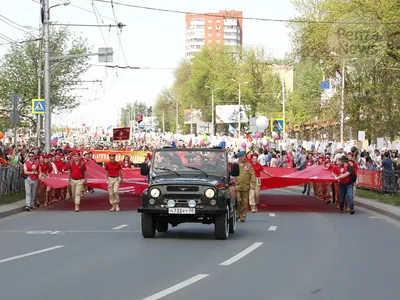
64 159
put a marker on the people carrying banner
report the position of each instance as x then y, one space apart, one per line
77 177
114 179
346 181
317 186
31 171
325 188
254 196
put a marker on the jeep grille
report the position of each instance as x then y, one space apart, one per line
182 188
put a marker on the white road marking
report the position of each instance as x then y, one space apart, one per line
241 254
272 228
55 232
30 254
176 287
120 226
271 214
39 232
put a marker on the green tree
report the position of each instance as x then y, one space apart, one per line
221 68
19 73
364 37
131 110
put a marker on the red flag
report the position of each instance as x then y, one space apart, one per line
190 145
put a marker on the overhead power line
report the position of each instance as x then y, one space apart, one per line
21 42
119 25
133 67
245 18
16 25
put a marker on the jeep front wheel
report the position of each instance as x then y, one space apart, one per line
148 225
222 225
162 226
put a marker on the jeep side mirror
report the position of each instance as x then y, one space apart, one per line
144 169
235 170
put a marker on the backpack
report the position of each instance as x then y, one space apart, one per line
82 166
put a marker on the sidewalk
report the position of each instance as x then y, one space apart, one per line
373 205
12 208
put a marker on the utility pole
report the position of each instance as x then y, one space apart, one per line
177 121
283 110
39 118
239 111
163 120
191 116
47 115
342 105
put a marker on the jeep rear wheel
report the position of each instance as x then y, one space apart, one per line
232 221
148 225
162 226
222 225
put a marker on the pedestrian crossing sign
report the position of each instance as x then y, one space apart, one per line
38 106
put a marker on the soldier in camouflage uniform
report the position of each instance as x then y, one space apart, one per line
245 182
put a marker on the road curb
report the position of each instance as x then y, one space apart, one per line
381 211
7 210
11 212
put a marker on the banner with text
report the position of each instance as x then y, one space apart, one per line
369 179
137 157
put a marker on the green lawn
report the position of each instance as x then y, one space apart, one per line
7 199
384 198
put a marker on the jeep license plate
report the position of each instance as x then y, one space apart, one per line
182 210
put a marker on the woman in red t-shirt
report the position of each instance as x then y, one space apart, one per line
45 168
254 198
336 172
126 164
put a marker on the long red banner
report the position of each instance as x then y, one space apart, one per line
135 183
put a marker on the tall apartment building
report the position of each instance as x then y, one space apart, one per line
224 28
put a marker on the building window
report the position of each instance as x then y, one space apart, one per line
209 20
210 41
209 27
218 41
218 27
218 21
209 34
218 34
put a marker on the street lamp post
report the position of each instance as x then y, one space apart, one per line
240 96
212 107
46 36
342 105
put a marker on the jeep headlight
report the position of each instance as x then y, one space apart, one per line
155 193
209 193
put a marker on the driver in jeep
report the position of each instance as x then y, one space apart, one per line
214 163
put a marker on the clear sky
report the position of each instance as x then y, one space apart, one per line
150 39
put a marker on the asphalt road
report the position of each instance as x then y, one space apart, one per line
296 248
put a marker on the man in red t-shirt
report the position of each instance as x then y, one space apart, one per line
31 170
254 197
77 178
346 183
114 178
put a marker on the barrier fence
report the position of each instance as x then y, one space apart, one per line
387 181
10 180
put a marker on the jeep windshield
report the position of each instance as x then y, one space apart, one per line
200 161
